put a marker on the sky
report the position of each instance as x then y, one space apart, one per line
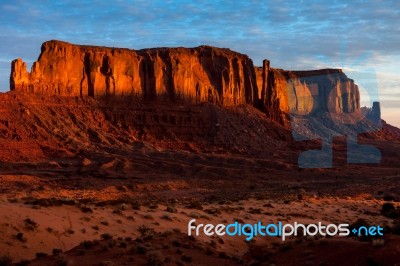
358 36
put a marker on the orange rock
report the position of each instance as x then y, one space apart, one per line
201 74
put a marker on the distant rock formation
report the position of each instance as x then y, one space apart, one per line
201 74
372 113
304 92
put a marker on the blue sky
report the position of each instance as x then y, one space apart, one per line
354 35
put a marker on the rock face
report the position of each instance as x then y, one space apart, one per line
201 74
198 74
305 92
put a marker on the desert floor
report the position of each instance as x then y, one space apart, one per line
133 208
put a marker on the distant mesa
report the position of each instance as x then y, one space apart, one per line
200 74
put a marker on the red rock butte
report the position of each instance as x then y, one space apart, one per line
201 74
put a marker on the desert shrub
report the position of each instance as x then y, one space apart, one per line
30 224
396 227
388 210
153 206
123 244
61 261
255 210
146 231
223 255
154 258
86 209
390 198
166 216
176 243
41 255
239 220
195 205
148 216
20 236
171 209
106 236
212 243
87 244
117 211
56 251
194 215
135 205
141 249
212 211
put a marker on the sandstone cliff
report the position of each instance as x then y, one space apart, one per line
199 74
305 92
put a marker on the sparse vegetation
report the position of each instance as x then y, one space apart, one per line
388 210
153 206
148 216
56 251
86 209
104 223
30 224
146 231
135 205
20 236
166 216
176 243
194 215
171 209
154 258
41 255
106 236
140 249
61 260
117 211
396 227
195 205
